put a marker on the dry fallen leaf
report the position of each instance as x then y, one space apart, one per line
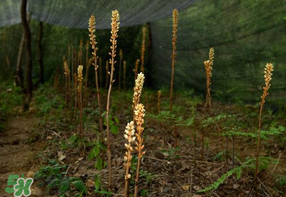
49 137
36 192
30 174
90 183
185 167
197 188
61 156
236 186
78 160
186 187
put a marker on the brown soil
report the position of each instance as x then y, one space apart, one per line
17 155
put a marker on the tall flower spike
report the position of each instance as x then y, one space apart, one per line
92 38
139 119
211 56
267 78
114 34
138 88
175 27
66 69
93 61
129 136
79 77
144 30
91 29
173 56
208 69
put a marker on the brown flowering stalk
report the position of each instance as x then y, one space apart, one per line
100 71
93 43
144 30
129 136
87 64
211 56
79 90
80 53
173 56
124 74
113 40
139 119
267 78
107 74
120 69
67 81
75 99
138 89
136 68
208 69
159 101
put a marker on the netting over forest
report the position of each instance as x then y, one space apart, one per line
245 35
76 13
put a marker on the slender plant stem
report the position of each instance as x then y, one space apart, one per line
75 100
233 152
173 56
126 190
80 120
203 145
114 30
137 171
172 82
257 148
107 125
120 70
98 96
86 74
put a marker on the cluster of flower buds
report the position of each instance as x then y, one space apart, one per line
66 69
138 88
139 119
79 77
267 78
211 56
129 136
114 34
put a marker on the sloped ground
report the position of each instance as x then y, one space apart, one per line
17 155
172 166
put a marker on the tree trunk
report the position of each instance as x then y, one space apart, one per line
19 78
28 73
40 53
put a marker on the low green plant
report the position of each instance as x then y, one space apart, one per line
113 123
147 176
53 178
95 153
10 97
171 152
48 99
99 189
248 164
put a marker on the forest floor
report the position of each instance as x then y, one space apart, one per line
187 150
17 154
